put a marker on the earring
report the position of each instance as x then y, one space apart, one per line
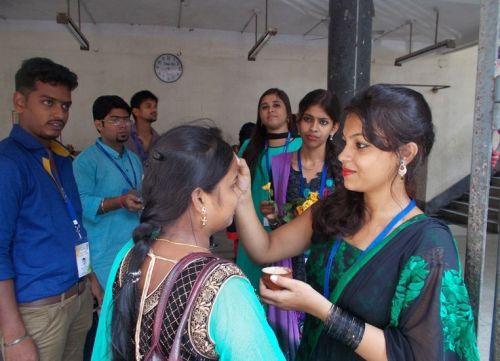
204 219
402 168
330 137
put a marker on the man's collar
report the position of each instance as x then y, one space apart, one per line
110 150
32 144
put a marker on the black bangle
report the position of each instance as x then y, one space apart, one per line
344 327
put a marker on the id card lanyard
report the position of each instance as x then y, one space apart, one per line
82 250
125 176
377 240
323 177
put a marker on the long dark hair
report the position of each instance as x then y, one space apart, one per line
391 117
330 104
183 159
257 140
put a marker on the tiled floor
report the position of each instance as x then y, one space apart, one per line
225 249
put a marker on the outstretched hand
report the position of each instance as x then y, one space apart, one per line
296 295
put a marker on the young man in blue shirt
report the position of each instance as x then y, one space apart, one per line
46 301
109 179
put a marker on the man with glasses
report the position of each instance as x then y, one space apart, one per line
109 179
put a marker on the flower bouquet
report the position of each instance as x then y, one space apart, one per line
293 208
297 206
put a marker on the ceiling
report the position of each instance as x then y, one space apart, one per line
458 19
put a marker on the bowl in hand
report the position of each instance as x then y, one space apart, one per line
267 272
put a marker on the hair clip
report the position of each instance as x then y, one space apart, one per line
133 277
158 156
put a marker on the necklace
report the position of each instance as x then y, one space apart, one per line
181 244
277 135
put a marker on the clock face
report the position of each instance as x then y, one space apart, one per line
168 68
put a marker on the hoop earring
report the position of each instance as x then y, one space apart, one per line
402 168
204 219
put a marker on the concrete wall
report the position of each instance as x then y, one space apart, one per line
219 83
452 108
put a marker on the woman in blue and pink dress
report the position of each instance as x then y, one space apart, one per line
312 168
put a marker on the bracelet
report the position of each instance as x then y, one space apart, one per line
344 327
274 223
17 340
101 207
122 203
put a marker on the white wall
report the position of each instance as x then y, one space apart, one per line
219 83
452 108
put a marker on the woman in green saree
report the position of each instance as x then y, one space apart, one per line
384 280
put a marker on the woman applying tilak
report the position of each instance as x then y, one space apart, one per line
384 279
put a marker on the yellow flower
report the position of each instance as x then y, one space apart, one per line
307 204
299 210
313 196
266 187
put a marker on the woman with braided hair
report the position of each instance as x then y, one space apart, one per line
190 191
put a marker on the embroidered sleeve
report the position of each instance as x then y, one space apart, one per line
431 318
409 287
457 317
199 320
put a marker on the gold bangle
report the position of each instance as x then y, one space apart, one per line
17 340
102 206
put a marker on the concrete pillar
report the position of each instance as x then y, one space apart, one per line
349 47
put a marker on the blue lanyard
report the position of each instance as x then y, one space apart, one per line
323 177
125 176
266 151
377 240
67 202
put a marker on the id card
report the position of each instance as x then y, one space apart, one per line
83 259
265 222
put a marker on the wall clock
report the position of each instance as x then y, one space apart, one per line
168 68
